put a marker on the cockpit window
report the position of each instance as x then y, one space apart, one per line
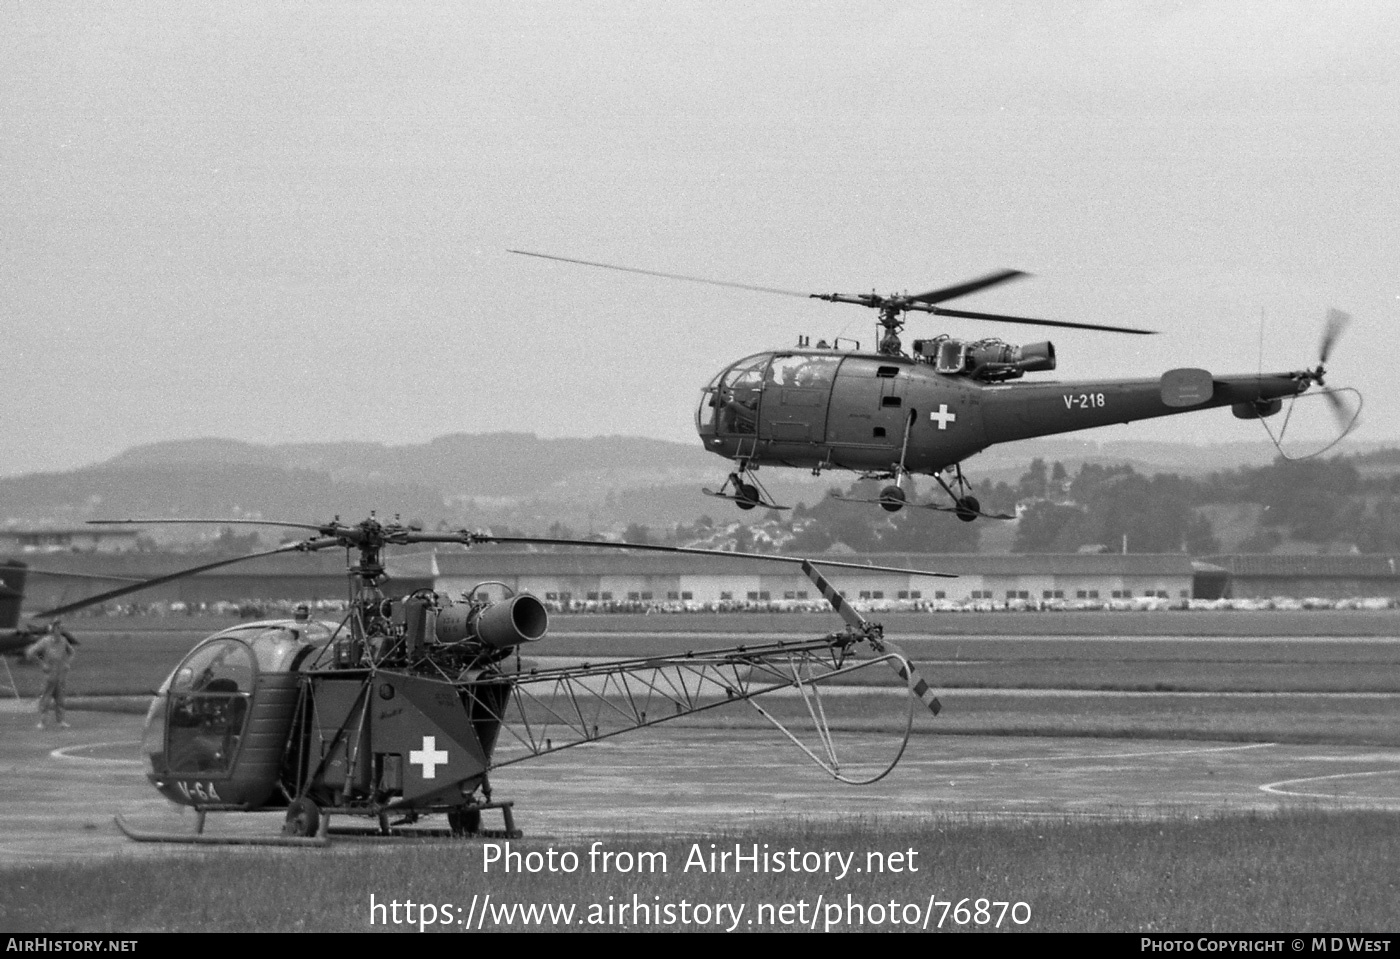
275 648
208 707
739 393
803 372
747 374
705 415
228 660
709 402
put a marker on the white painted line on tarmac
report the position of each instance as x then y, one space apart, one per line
66 752
1097 756
1277 788
676 762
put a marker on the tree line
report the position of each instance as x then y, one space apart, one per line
1339 503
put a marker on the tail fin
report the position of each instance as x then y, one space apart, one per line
12 576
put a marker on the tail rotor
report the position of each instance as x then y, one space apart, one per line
1346 413
1342 412
1336 322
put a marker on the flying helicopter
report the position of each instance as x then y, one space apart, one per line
889 414
403 709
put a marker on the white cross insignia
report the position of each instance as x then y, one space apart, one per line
943 416
429 757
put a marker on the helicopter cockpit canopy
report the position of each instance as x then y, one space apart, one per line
729 403
196 721
206 705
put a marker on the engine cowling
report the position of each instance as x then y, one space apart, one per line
996 360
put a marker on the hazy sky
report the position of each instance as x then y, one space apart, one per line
288 221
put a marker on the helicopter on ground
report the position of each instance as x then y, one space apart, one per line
891 414
404 708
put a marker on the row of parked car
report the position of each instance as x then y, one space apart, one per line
334 609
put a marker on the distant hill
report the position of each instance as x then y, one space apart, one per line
499 478
496 479
460 464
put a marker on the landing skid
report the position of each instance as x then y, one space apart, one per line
961 511
743 500
881 500
892 499
465 824
320 840
886 502
748 491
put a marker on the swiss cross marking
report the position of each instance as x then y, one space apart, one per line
943 417
429 757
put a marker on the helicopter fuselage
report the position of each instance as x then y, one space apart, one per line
827 409
264 714
895 413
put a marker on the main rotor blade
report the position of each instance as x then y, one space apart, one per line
876 635
334 535
35 571
939 311
664 276
963 289
305 546
695 551
349 536
1336 322
205 522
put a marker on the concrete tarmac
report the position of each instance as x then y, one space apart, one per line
62 787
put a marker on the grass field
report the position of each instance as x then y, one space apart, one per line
1296 872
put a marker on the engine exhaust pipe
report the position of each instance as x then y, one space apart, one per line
520 619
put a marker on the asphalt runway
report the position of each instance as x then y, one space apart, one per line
61 788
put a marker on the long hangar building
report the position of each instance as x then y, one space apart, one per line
581 578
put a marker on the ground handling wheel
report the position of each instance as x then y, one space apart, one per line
748 496
892 499
303 818
464 822
969 509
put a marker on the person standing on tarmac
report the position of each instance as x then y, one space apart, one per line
55 651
